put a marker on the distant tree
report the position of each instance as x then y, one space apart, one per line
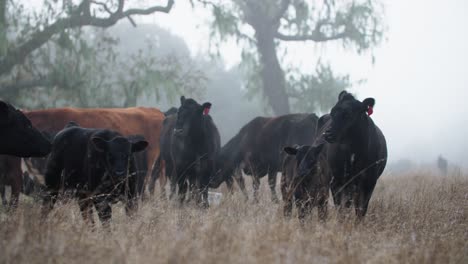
49 58
442 164
262 25
37 28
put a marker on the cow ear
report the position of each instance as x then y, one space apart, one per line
139 146
182 100
290 150
3 111
368 102
205 108
341 95
100 144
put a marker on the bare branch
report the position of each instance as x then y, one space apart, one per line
81 17
315 36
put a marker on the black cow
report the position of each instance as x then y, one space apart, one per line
141 165
258 147
356 152
194 146
230 160
35 167
164 165
97 165
17 136
306 179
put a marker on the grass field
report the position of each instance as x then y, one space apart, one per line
413 218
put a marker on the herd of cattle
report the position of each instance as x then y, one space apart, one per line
102 156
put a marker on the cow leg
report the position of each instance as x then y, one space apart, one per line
272 184
173 189
256 186
322 203
104 211
304 209
15 192
183 186
230 185
240 181
155 174
163 179
53 176
363 195
2 193
16 179
86 208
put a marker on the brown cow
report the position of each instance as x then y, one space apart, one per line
127 121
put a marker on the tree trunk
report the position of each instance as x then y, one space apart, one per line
274 83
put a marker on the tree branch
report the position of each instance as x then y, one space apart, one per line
315 36
81 17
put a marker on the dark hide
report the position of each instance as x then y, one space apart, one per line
18 136
232 155
97 166
194 146
258 147
10 174
163 166
141 163
306 180
357 152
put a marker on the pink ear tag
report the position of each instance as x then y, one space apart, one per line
370 110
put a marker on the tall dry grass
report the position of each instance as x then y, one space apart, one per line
415 218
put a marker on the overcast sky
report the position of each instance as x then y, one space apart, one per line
419 79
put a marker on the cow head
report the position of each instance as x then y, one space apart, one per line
17 135
307 159
190 114
346 113
118 152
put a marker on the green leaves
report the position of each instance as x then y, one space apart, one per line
315 92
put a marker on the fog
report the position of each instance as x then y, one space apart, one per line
419 78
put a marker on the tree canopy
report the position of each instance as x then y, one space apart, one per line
263 26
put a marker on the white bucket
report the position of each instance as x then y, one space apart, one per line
214 198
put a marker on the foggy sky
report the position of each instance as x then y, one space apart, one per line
419 79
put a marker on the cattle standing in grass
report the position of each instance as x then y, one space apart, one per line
127 121
17 135
195 143
97 165
258 147
162 167
357 152
306 180
233 154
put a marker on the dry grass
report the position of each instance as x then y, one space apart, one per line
415 218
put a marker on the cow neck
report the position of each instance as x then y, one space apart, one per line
358 136
196 131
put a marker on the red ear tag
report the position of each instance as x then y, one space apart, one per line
370 110
206 111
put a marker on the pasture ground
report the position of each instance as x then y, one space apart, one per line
413 218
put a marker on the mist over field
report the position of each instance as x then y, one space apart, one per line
418 79
248 58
